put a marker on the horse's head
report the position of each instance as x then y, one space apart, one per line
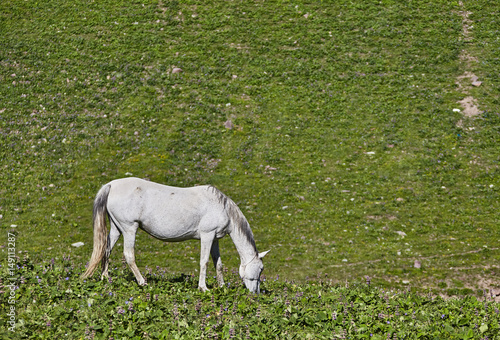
250 273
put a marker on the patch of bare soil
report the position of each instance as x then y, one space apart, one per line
469 106
467 78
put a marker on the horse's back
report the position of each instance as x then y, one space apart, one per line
141 192
132 186
164 211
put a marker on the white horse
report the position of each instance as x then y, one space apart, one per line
172 214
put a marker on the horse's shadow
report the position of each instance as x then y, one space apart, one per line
158 280
179 278
190 281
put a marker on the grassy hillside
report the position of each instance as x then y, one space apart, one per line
335 126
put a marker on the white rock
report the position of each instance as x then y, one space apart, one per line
78 244
401 233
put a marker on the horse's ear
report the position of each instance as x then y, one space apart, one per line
261 255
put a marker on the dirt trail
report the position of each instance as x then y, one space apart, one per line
468 79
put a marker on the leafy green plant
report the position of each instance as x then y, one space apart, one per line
55 302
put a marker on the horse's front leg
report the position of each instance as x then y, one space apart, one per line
206 245
129 253
214 251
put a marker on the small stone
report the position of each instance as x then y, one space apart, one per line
417 264
399 199
78 244
405 282
176 70
477 83
228 124
401 233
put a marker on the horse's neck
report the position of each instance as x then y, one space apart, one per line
246 248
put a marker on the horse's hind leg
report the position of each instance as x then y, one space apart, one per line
129 252
214 251
113 236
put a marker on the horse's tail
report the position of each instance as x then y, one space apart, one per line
100 230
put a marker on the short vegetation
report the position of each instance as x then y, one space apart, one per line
334 125
56 304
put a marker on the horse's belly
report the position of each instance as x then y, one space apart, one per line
172 234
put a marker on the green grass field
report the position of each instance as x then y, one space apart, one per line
334 125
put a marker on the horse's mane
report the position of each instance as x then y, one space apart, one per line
239 220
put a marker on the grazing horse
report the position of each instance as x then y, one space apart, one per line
172 214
